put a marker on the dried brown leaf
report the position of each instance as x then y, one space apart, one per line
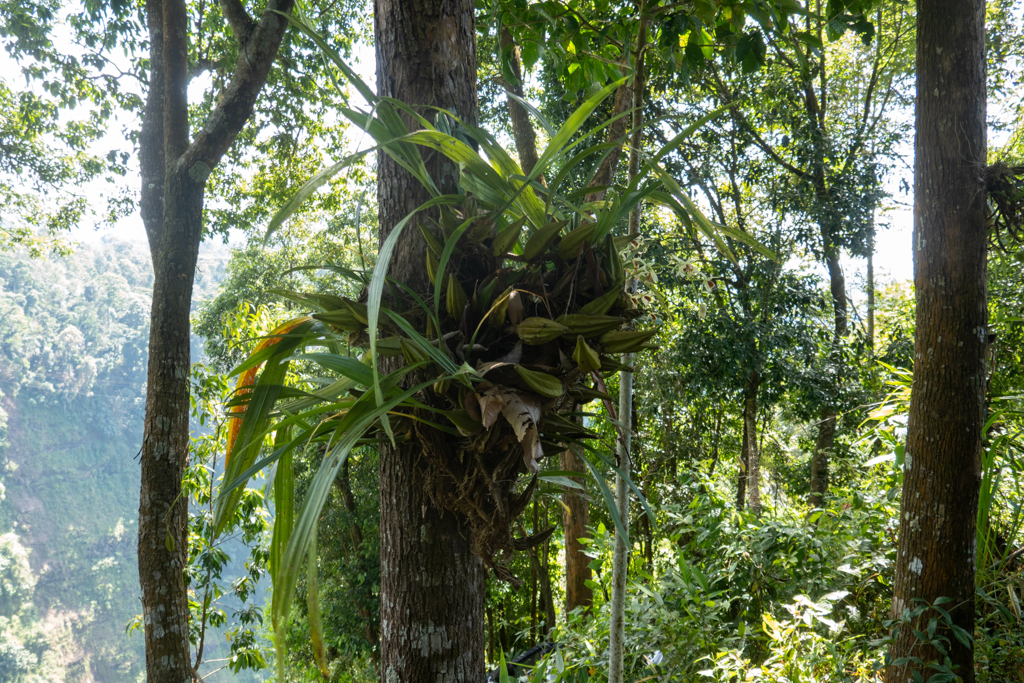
491 404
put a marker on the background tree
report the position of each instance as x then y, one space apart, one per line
828 126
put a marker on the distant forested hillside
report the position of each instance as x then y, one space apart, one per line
72 388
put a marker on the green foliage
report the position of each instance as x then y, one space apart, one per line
15 661
82 65
48 134
727 596
224 597
74 327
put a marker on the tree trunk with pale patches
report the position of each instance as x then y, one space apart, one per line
175 167
942 470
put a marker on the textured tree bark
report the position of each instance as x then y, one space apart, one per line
620 555
942 470
575 519
432 583
174 173
753 457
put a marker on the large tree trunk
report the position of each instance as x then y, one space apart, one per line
163 511
163 516
942 470
432 583
174 173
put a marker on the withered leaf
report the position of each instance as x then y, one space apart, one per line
532 450
521 410
491 404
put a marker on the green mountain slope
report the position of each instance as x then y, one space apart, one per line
72 387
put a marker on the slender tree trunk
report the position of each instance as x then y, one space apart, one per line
620 558
942 470
545 589
819 459
716 439
667 444
825 441
533 601
490 634
648 534
620 561
753 452
616 133
174 169
837 288
432 583
741 477
534 578
871 294
371 630
575 519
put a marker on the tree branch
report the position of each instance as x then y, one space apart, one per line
242 25
522 129
727 98
616 134
237 100
151 137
